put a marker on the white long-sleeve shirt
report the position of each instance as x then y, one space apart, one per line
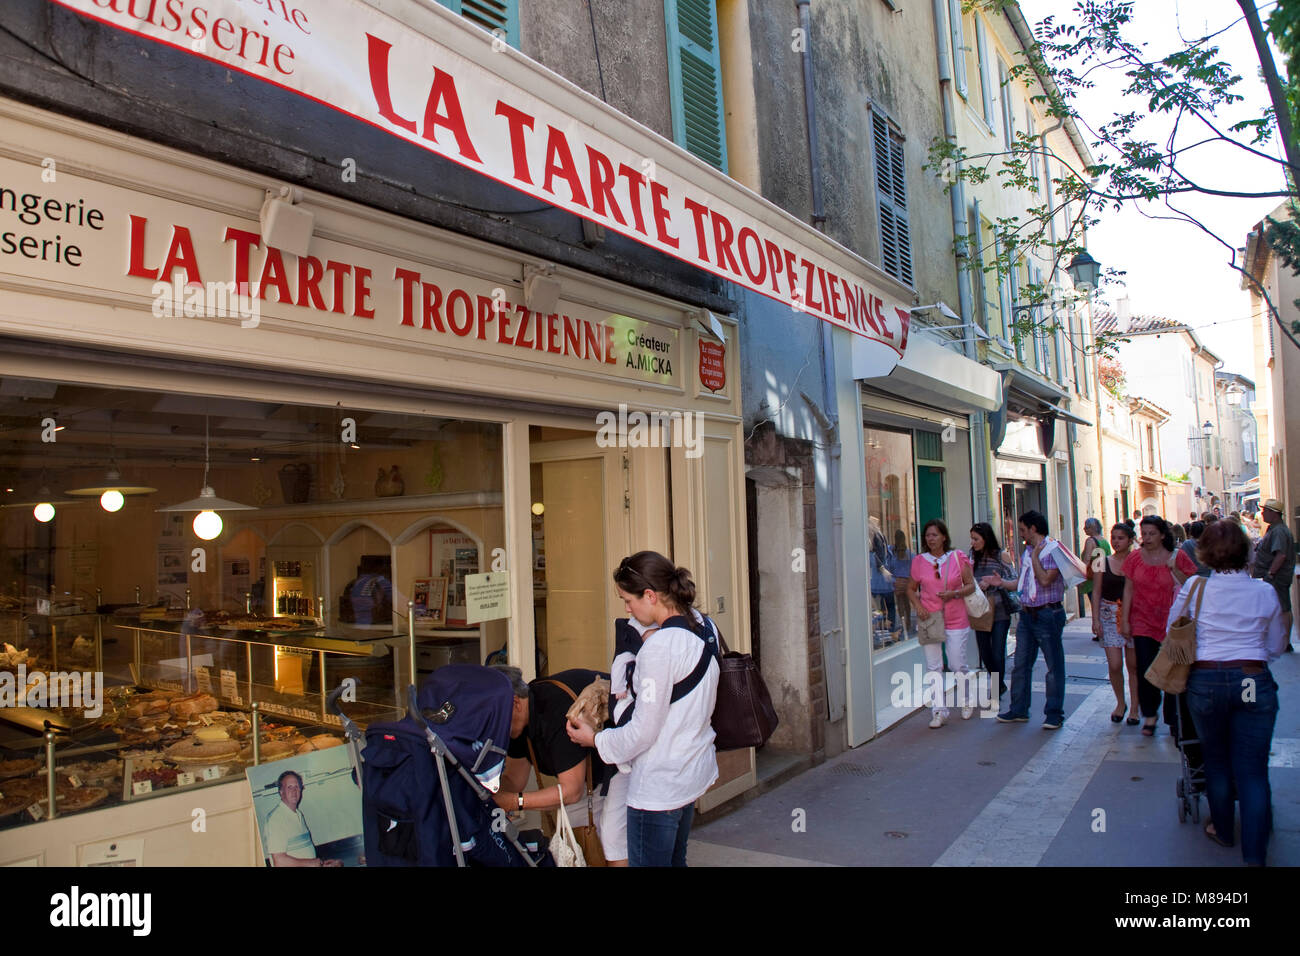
670 748
1240 618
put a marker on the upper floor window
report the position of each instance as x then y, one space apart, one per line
491 15
695 79
958 47
891 198
981 52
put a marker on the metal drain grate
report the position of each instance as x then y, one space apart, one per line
856 770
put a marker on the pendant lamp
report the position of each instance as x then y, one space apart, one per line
112 492
207 523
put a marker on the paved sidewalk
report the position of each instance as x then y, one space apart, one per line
980 793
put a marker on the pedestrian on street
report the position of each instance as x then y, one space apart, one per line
1107 595
1042 621
1239 629
1094 548
1188 547
991 572
1153 573
1275 558
941 578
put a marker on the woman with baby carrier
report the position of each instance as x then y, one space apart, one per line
668 743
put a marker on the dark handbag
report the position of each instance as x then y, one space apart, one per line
1012 598
744 715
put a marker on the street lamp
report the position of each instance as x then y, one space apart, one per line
1084 270
1207 429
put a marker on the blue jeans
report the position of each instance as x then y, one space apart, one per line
658 837
1235 734
1039 629
993 651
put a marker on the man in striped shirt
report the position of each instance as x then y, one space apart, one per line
1042 622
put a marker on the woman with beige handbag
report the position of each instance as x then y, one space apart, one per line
1230 691
941 577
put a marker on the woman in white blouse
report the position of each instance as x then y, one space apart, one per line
1230 691
668 743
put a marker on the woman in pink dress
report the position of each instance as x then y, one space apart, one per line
941 577
1153 574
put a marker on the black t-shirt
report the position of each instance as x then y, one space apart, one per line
548 706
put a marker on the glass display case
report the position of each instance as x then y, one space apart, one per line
181 703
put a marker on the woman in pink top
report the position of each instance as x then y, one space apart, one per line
941 577
1153 574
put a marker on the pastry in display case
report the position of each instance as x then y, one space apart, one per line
185 716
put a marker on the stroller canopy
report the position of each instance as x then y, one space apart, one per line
469 707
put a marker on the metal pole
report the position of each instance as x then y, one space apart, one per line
49 770
323 685
248 648
410 629
189 664
257 733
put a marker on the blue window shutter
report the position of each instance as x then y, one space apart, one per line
958 47
891 199
695 80
491 15
982 48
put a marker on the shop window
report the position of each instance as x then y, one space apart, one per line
695 80
891 510
327 523
491 15
891 198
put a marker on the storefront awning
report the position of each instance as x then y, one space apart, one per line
931 374
421 73
1027 385
1065 415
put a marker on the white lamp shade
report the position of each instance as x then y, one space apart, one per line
111 500
44 512
208 501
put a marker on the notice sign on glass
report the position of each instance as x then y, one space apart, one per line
487 596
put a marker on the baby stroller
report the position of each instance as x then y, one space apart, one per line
427 780
1191 781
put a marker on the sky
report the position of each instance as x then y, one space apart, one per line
1173 268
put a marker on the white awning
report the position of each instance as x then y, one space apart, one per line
929 373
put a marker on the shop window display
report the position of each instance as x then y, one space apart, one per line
892 520
142 623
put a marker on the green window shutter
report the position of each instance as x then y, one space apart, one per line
695 80
491 15
891 198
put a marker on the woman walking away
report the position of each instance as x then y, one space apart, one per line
1188 547
941 577
1239 629
1107 595
668 742
990 571
1094 547
1153 573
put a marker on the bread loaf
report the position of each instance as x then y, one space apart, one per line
188 706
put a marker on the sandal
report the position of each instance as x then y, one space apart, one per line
1116 718
1213 835
1132 721
1149 730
